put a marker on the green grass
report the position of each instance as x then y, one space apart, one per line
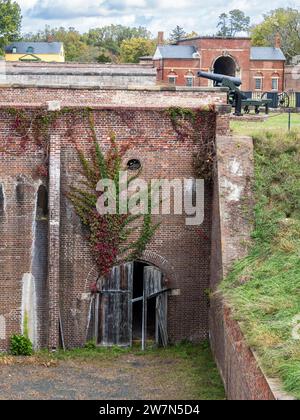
272 123
264 288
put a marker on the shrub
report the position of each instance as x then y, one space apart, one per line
20 345
90 345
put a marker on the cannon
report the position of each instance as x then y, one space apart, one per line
236 98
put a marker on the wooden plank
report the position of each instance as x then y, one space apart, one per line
116 307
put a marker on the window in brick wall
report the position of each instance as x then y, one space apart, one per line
275 83
133 164
258 83
189 81
172 80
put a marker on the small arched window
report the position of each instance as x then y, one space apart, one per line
14 50
258 81
172 76
189 78
30 50
275 81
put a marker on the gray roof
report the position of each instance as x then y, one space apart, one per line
38 47
174 51
267 53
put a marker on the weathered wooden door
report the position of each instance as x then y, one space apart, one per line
153 289
115 307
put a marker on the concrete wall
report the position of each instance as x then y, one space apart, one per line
78 74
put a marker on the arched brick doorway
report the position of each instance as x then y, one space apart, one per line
225 65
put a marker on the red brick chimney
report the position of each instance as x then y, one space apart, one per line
277 40
160 38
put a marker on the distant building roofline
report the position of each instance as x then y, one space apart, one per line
214 37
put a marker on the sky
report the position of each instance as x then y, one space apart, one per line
193 15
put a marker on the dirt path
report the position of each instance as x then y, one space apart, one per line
128 376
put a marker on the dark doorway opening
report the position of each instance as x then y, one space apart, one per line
137 307
225 65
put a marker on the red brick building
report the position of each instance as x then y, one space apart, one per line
260 68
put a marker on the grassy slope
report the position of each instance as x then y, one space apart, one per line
264 288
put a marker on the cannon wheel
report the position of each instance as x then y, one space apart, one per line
257 110
283 100
247 109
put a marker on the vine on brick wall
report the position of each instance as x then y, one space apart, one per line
35 129
188 124
114 238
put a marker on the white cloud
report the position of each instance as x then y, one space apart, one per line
157 15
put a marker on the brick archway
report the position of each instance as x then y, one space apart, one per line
164 265
226 64
149 257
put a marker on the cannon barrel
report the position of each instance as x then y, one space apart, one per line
219 77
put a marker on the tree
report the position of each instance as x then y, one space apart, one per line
286 23
192 34
110 38
132 49
233 23
10 22
177 34
101 45
75 47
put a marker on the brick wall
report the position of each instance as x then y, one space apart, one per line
268 70
183 253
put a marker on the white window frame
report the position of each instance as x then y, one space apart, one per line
260 78
172 77
189 78
276 78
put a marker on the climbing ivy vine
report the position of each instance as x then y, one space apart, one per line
188 124
114 238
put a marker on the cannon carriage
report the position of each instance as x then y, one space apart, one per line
239 99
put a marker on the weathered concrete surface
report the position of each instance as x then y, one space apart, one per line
232 210
76 74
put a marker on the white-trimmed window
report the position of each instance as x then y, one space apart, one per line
14 50
172 79
258 80
189 81
275 83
